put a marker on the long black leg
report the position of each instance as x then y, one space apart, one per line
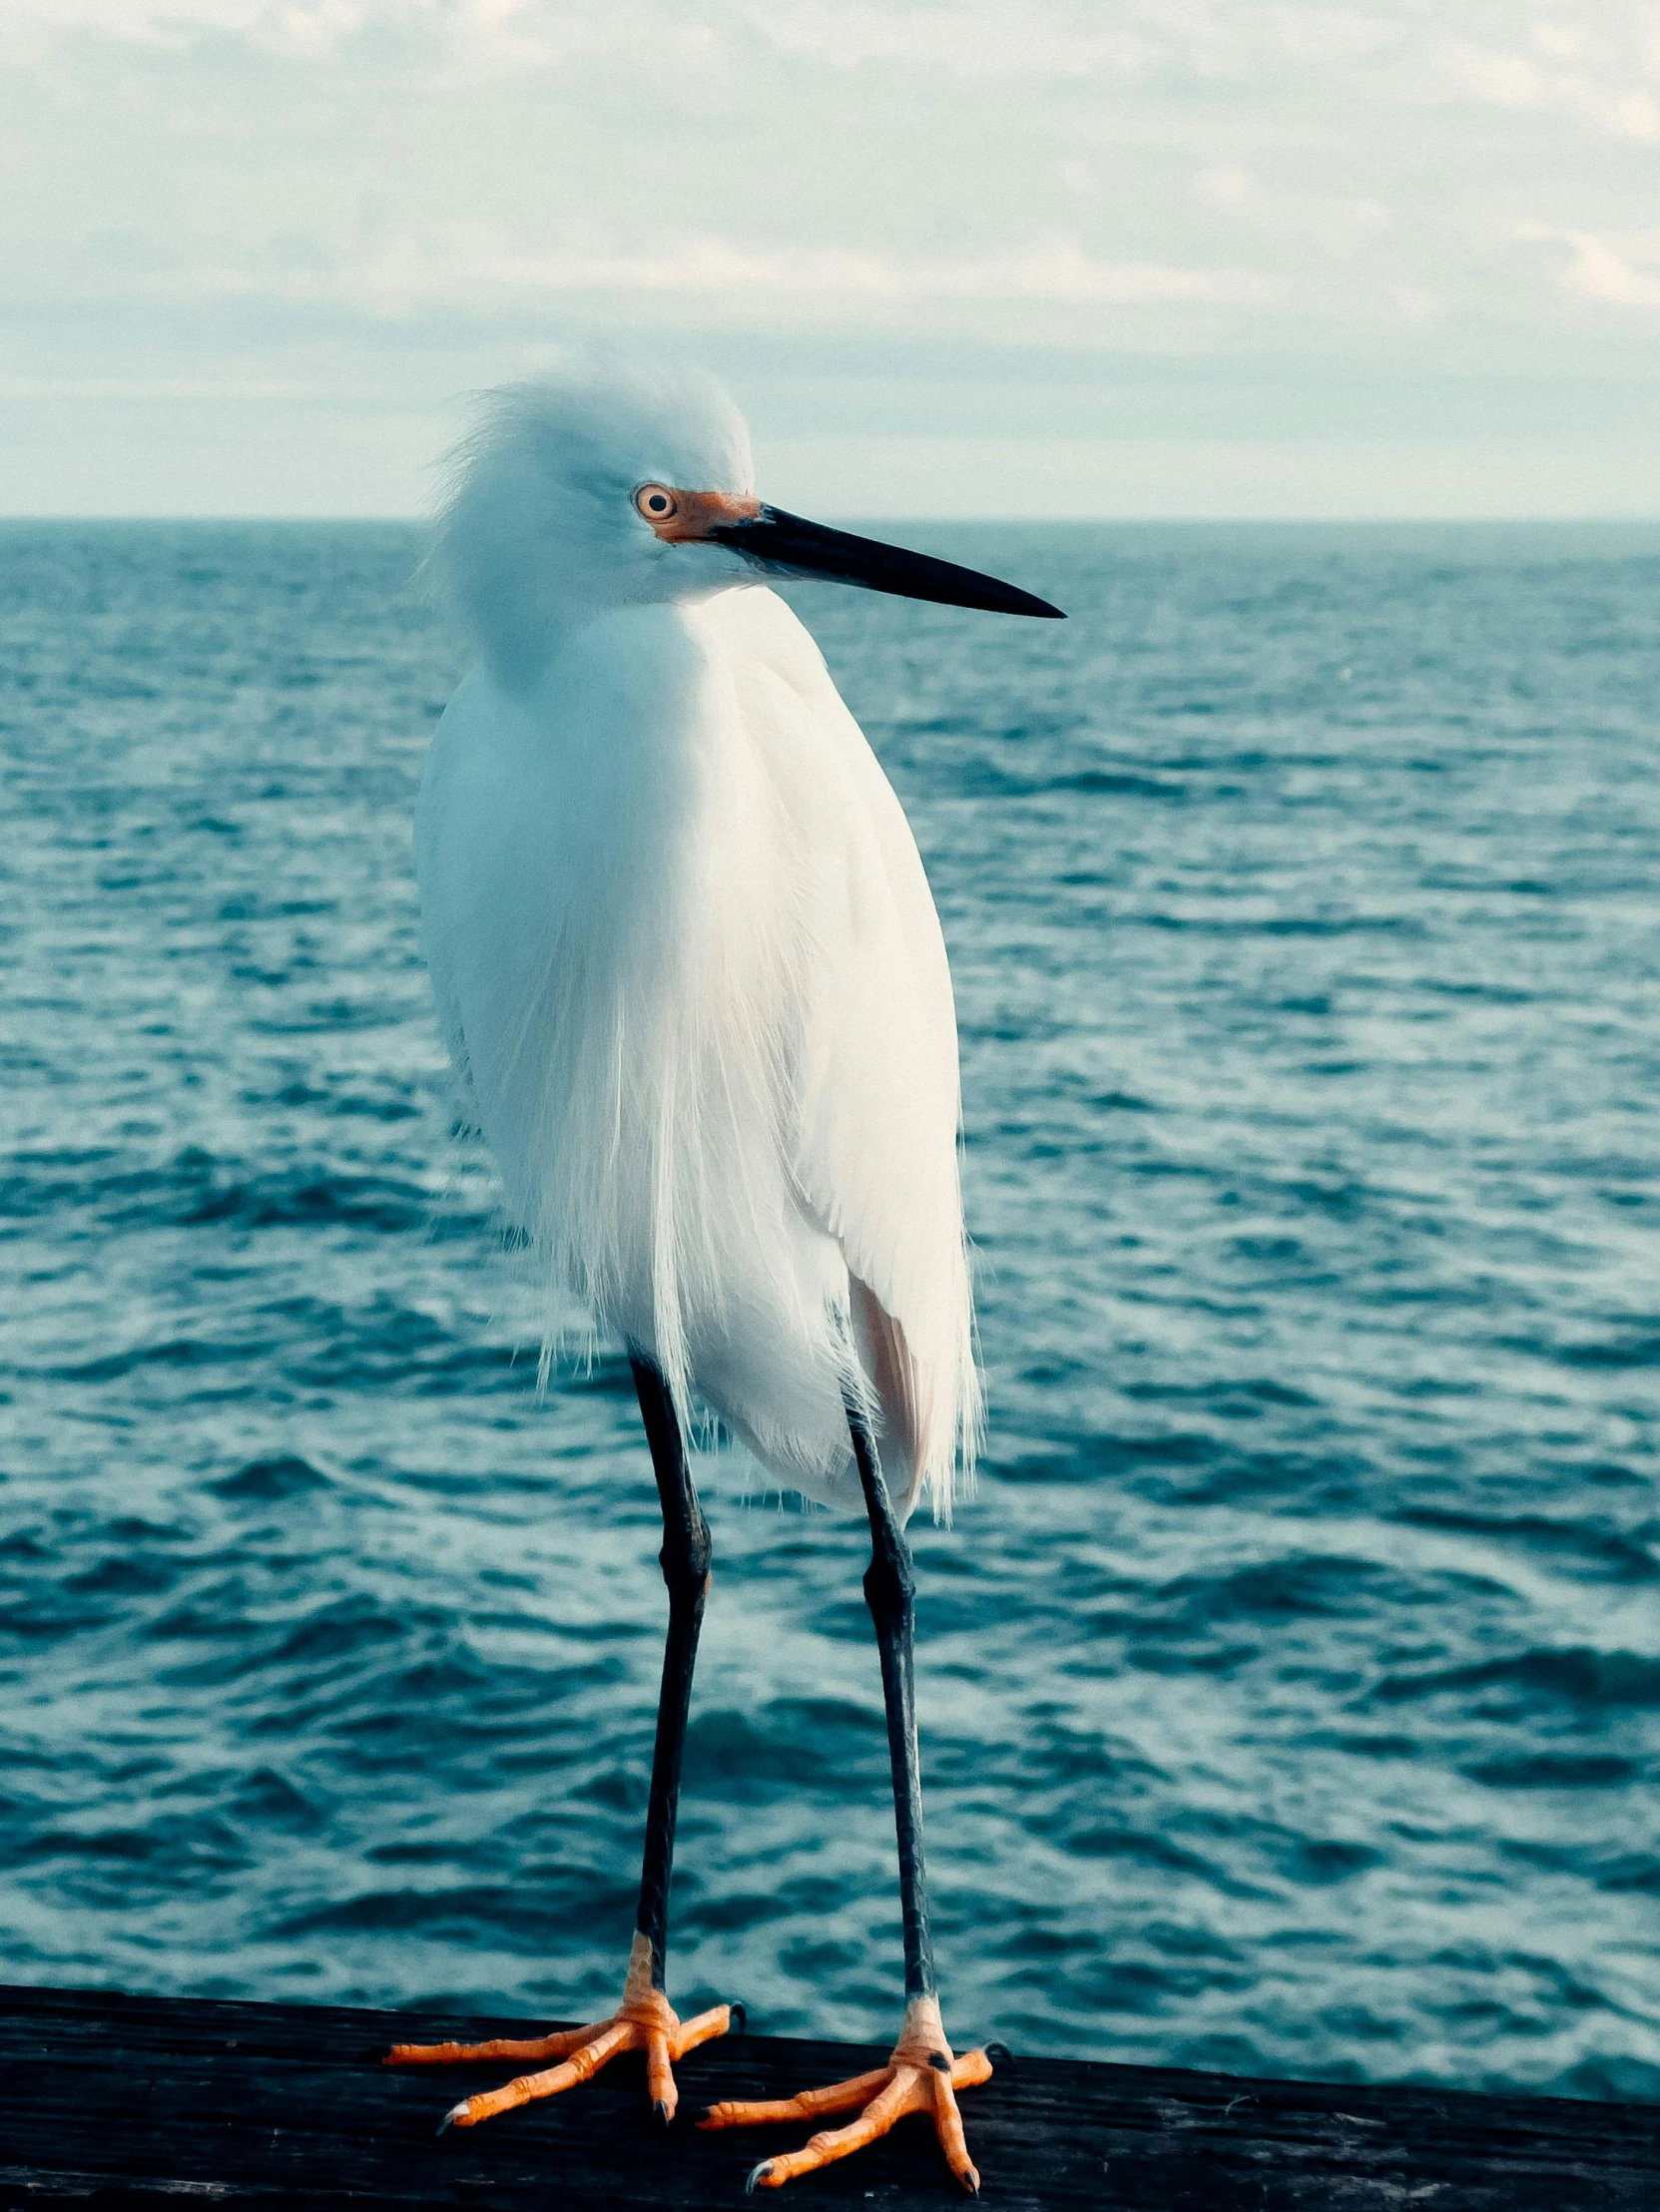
891 1593
684 1561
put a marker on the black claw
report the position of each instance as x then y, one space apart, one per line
698 2114
664 2115
737 2021
995 2051
755 2173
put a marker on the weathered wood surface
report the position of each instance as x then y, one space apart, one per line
110 2101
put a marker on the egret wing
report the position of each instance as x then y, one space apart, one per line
874 1102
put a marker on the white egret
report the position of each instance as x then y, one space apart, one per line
689 969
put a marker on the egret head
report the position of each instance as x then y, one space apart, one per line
542 527
607 487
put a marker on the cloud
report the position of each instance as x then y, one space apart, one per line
1336 221
1598 69
1535 83
1626 274
166 388
470 39
419 196
970 38
471 267
305 27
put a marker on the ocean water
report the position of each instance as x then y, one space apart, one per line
1290 1689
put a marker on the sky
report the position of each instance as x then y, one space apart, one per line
992 257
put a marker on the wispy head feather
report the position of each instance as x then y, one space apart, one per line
537 524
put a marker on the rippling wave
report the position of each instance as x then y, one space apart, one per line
1290 1689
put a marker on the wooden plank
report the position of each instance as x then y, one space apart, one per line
122 2102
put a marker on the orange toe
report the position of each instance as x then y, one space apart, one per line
645 2022
559 2045
922 2076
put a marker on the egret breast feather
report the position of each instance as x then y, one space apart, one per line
684 951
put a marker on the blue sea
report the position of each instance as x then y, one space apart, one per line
1290 1690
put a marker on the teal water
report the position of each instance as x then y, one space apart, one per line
1291 1690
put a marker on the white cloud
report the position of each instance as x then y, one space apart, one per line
1625 273
1600 69
1335 221
246 197
468 267
471 38
309 27
970 38
166 388
1529 83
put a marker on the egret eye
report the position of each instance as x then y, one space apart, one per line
656 502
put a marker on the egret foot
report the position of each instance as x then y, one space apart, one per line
922 2076
645 2020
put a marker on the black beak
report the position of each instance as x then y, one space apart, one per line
788 546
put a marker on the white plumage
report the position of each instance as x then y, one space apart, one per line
685 953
